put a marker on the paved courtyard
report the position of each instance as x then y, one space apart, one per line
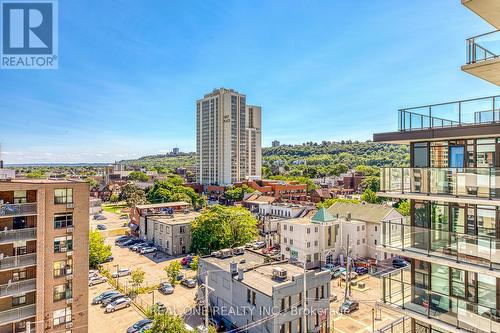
360 321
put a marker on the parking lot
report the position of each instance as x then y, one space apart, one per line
111 221
116 322
361 320
181 302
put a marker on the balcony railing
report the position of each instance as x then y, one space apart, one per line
18 261
483 47
397 290
466 182
458 247
17 314
9 236
17 287
12 210
459 113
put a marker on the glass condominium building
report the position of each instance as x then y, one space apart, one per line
452 236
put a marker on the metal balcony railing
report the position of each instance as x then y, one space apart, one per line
459 182
18 261
9 236
459 247
12 210
447 306
452 114
483 47
17 314
17 287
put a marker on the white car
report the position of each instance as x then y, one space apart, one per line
352 276
120 303
146 250
259 245
97 280
122 272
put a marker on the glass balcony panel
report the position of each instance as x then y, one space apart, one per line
11 210
9 236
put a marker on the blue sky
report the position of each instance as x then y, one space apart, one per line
130 72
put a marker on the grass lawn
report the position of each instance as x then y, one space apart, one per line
114 208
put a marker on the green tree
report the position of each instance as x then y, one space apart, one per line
368 170
138 176
403 207
171 190
221 227
370 197
371 182
133 195
339 168
165 322
173 269
194 263
328 202
137 277
35 175
98 251
92 182
114 198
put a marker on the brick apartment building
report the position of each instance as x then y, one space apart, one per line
44 256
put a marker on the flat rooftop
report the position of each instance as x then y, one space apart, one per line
163 204
177 218
257 275
42 181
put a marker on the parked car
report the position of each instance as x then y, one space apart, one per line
109 259
138 247
99 217
101 227
104 295
190 283
122 239
145 328
399 263
139 325
120 303
166 288
111 299
187 259
97 280
349 307
180 277
122 272
258 245
361 270
249 245
159 307
352 275
146 250
93 273
130 242
337 272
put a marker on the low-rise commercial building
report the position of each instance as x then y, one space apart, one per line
262 297
139 214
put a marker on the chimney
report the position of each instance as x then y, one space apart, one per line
241 271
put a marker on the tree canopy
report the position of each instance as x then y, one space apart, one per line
172 189
98 251
138 176
133 195
221 227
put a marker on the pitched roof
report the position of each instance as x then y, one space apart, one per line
322 216
361 212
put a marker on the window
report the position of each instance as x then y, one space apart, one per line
308 244
63 267
375 228
181 241
19 274
161 227
284 240
308 230
358 242
315 229
357 228
363 228
291 241
291 228
363 240
284 226
420 155
62 316
63 244
182 230
20 197
18 300
63 196
63 221
315 243
308 258
375 242
156 226
62 291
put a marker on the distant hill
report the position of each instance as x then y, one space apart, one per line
299 157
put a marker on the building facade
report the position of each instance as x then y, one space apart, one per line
247 294
44 256
453 234
228 138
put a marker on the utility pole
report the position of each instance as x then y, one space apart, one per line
206 302
304 315
347 270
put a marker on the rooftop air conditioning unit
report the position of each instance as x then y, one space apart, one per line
69 301
70 205
69 253
69 325
279 273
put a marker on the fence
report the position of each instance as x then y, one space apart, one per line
401 325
